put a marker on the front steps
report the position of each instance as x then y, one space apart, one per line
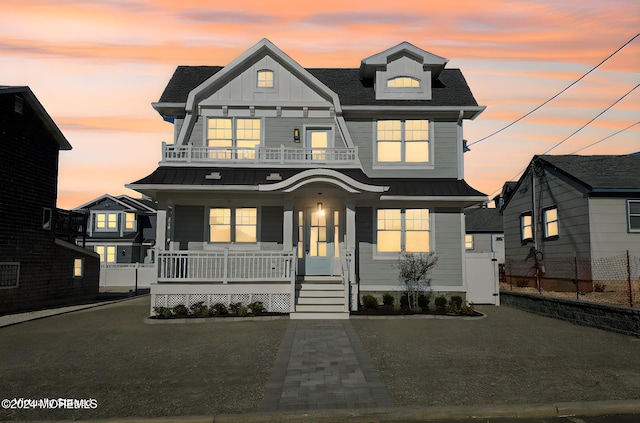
320 297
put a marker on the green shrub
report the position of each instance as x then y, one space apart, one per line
234 307
220 309
388 300
456 302
423 301
199 309
242 311
441 303
162 312
180 310
257 307
467 310
369 302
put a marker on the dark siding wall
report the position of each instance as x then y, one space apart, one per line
189 225
28 184
271 224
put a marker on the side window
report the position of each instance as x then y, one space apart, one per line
551 228
526 227
265 78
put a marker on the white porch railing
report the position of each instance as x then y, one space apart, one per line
260 154
226 266
347 267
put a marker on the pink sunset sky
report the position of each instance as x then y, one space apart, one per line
97 65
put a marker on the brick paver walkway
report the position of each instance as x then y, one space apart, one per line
321 365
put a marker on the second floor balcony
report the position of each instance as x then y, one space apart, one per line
261 155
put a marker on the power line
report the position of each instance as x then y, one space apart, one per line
596 117
606 138
552 98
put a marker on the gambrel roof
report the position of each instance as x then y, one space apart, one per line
450 89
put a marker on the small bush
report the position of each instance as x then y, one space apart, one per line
423 301
257 307
180 310
369 302
234 307
199 309
162 312
467 310
388 300
456 302
441 303
242 311
220 309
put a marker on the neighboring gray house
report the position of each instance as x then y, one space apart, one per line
566 204
484 233
299 187
121 229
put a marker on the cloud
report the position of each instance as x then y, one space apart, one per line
240 17
364 18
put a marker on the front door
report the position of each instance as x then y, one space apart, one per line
318 241
318 140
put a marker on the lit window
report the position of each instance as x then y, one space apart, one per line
403 82
130 221
233 225
106 221
468 241
551 222
265 78
403 229
227 135
526 226
633 215
401 141
107 253
77 267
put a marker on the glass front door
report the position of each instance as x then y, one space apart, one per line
316 238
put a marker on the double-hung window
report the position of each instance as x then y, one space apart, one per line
107 253
468 241
633 215
403 229
106 221
130 221
233 138
78 267
402 141
551 228
233 225
526 227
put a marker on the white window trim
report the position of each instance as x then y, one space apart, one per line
135 222
629 229
233 226
403 165
545 222
81 268
16 265
332 136
406 89
395 255
234 140
94 218
265 89
533 227
472 242
106 246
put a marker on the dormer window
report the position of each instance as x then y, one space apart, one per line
265 78
403 82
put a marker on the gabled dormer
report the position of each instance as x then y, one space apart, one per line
403 72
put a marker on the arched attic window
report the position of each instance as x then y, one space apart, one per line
265 78
403 82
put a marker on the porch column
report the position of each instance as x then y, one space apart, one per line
161 230
287 225
351 225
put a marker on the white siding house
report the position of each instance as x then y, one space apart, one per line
299 187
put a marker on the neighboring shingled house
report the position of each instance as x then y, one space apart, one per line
567 204
299 187
39 264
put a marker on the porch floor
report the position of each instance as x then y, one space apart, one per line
323 365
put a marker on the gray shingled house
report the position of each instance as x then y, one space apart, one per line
484 232
299 187
566 204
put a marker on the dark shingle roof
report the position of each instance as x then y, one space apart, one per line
450 89
599 172
169 175
483 220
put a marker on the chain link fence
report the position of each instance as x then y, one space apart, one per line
610 280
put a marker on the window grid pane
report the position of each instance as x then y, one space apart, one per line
112 221
265 79
551 222
246 224
219 225
101 221
130 219
111 254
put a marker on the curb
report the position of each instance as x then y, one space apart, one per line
405 415
150 321
43 314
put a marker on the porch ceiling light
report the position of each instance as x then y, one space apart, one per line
320 208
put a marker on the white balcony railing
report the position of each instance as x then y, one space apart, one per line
226 266
260 154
